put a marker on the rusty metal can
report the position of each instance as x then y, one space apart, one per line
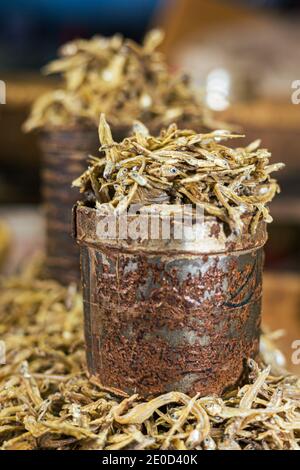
64 158
164 315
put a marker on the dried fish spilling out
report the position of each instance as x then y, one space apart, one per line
182 167
47 401
125 80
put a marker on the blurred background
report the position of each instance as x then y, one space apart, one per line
244 54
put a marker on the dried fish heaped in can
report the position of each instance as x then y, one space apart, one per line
186 167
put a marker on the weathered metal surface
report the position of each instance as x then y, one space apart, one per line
170 319
64 158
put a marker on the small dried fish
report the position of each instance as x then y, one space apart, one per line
118 77
181 166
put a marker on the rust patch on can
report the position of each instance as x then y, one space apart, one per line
170 320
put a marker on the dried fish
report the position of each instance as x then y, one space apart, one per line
183 167
125 80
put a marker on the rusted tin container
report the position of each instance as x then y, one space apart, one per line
64 158
165 315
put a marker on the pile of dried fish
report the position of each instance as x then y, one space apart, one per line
47 402
125 80
182 167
